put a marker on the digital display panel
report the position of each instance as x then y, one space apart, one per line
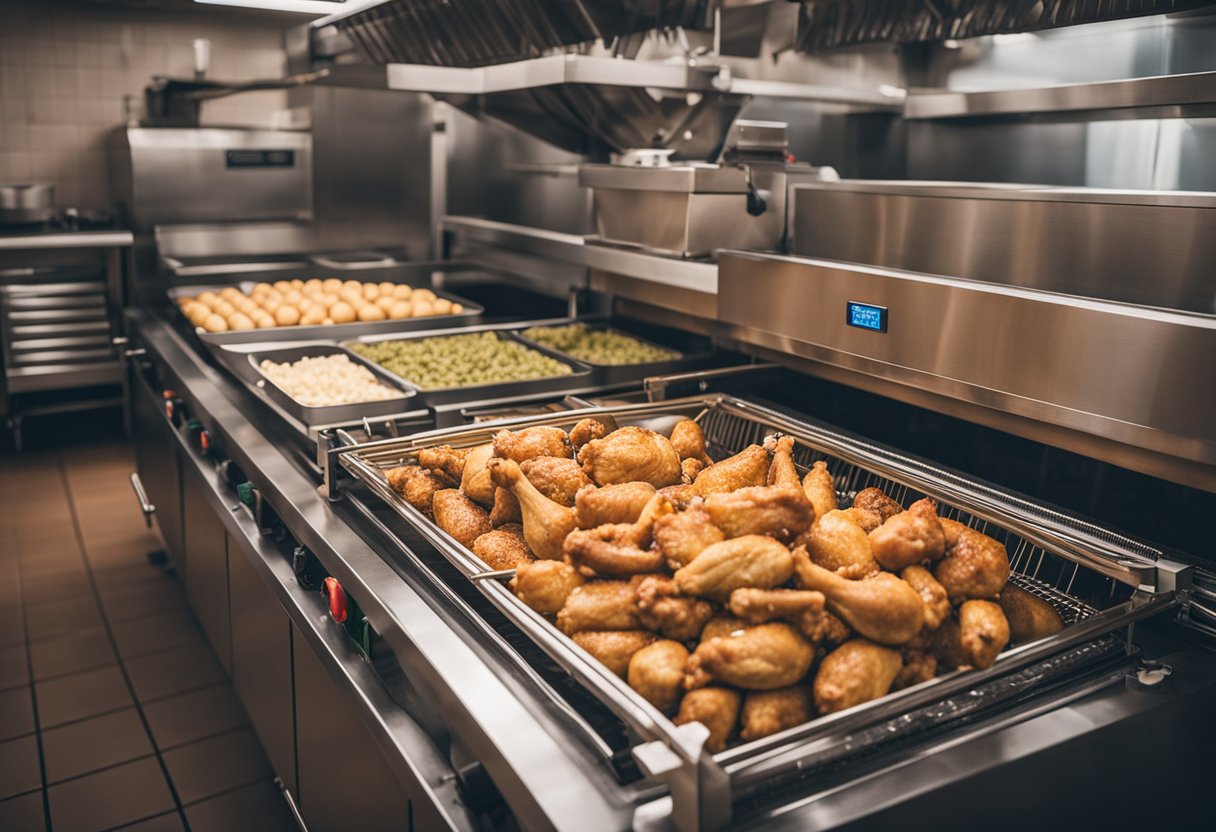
260 158
867 316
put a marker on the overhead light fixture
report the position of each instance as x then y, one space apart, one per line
315 8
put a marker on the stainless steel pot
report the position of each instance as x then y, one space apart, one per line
22 204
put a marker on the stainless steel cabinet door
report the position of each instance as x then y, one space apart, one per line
261 662
206 564
157 464
345 782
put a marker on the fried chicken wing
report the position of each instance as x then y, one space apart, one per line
586 430
912 536
689 469
545 522
558 478
505 509
932 594
768 712
781 468
984 632
1030 618
715 708
544 585
619 503
475 480
617 550
975 565
756 606
836 542
919 665
683 535
751 560
819 488
631 454
745 469
503 548
689 441
444 460
657 673
764 657
599 605
415 485
722 625
876 502
855 672
823 629
679 496
664 609
779 511
882 608
946 645
614 648
529 443
459 516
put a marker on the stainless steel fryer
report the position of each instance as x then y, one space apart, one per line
1098 580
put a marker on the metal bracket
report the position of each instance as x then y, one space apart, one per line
656 386
700 789
330 444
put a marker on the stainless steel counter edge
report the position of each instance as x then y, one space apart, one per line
68 239
522 758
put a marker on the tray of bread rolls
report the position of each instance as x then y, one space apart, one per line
776 579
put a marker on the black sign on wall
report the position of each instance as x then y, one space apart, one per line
260 158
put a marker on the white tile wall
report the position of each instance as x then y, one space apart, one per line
69 73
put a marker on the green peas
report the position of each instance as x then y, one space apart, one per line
598 346
466 360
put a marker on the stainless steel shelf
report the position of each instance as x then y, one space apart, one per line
78 239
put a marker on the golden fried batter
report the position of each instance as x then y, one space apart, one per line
819 488
781 470
715 708
475 480
756 606
689 442
416 486
751 560
617 550
912 536
558 478
984 632
855 672
505 509
657 673
836 542
546 523
932 594
585 431
946 645
684 535
503 548
975 565
679 496
882 607
779 511
544 585
1030 618
614 648
620 503
722 625
747 468
768 712
765 657
662 608
444 460
459 516
599 605
919 666
874 501
529 443
631 454
689 469
822 629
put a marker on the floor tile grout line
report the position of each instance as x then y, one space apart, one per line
245 727
177 801
78 720
232 789
120 657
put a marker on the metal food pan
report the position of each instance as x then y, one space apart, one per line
580 374
328 414
471 313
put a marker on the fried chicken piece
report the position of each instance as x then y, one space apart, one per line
820 489
764 657
946 645
459 516
975 565
656 672
745 469
586 430
1030 618
689 469
836 542
919 666
932 594
619 549
984 632
620 503
756 606
781 469
503 548
768 712
631 454
416 486
505 509
545 522
679 496
662 608
874 501
529 443
823 629
689 441
558 478
721 626
912 536
882 608
748 561
544 585
855 672
715 708
778 511
683 535
444 460
599 605
614 648
475 480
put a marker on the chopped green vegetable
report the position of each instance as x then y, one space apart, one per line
598 346
468 360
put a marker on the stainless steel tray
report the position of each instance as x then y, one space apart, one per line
471 313
313 416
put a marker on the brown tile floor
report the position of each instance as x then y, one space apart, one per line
114 713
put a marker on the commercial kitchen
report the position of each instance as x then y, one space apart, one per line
607 414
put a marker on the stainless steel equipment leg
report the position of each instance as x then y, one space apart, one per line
700 789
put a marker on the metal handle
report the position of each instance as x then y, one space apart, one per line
140 494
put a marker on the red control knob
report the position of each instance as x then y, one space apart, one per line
337 600
204 441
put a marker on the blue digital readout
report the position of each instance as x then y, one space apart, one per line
867 316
